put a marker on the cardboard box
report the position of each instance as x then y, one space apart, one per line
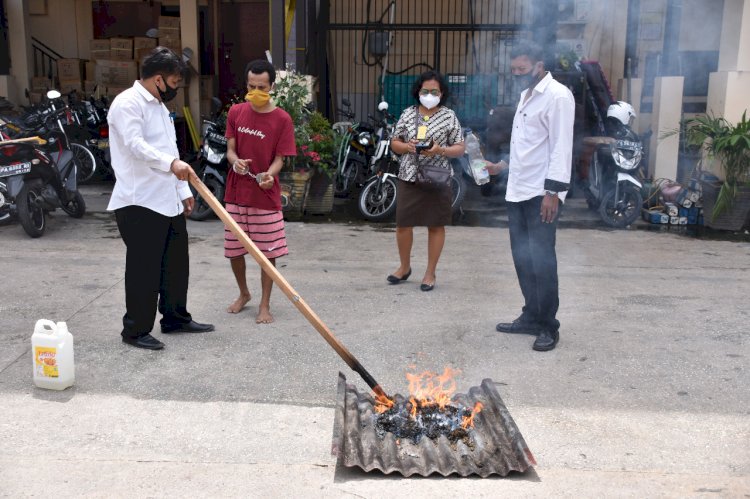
143 42
169 22
141 53
41 84
175 44
90 87
116 73
68 86
35 97
122 49
69 69
114 90
89 70
99 49
169 32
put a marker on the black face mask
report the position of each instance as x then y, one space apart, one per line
168 94
524 81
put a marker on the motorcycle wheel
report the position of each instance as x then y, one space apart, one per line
76 207
626 211
458 191
378 206
202 210
85 162
345 178
30 213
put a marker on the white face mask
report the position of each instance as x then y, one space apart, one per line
429 101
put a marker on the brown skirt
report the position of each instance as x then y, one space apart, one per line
422 207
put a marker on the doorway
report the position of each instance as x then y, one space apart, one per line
243 36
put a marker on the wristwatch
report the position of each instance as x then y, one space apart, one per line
550 193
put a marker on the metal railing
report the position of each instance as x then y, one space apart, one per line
376 49
45 59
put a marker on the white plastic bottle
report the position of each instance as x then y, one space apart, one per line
52 350
476 160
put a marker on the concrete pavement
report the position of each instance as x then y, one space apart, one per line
646 395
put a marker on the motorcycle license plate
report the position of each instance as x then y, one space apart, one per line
15 169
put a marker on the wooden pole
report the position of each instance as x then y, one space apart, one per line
285 287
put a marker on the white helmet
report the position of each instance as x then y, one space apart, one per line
622 111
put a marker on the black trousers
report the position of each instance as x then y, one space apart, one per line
156 269
532 244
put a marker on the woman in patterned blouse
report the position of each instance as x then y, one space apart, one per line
416 205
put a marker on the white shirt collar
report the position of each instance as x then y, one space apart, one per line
142 90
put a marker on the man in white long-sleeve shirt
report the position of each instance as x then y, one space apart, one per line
150 199
540 162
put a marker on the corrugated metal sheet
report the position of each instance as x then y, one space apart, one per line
499 447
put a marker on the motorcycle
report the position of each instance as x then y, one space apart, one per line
377 199
612 187
40 175
36 121
213 167
91 130
356 147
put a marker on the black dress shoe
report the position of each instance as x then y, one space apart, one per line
144 341
546 341
397 280
187 327
518 327
427 287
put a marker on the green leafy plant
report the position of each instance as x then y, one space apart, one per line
730 145
312 131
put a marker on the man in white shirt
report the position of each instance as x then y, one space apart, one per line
540 163
150 199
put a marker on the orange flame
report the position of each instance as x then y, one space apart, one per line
428 389
382 403
468 421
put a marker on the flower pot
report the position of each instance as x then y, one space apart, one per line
294 186
737 217
319 199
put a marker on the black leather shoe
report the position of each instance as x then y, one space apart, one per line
547 340
144 341
397 280
188 327
517 327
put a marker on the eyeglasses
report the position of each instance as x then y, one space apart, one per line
434 92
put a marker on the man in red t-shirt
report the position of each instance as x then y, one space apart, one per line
259 135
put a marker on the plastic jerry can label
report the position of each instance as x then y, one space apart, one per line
45 362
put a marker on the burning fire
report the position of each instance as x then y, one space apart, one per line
429 390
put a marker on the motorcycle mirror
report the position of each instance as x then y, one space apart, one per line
383 106
53 94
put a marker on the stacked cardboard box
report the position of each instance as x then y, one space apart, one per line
142 46
122 49
69 75
99 49
169 33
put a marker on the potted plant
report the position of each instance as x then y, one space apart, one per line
291 94
726 204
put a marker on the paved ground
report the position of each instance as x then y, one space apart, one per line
646 395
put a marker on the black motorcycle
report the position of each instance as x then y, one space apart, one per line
213 166
40 176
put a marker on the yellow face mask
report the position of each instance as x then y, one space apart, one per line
258 98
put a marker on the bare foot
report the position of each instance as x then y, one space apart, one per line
238 304
264 315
